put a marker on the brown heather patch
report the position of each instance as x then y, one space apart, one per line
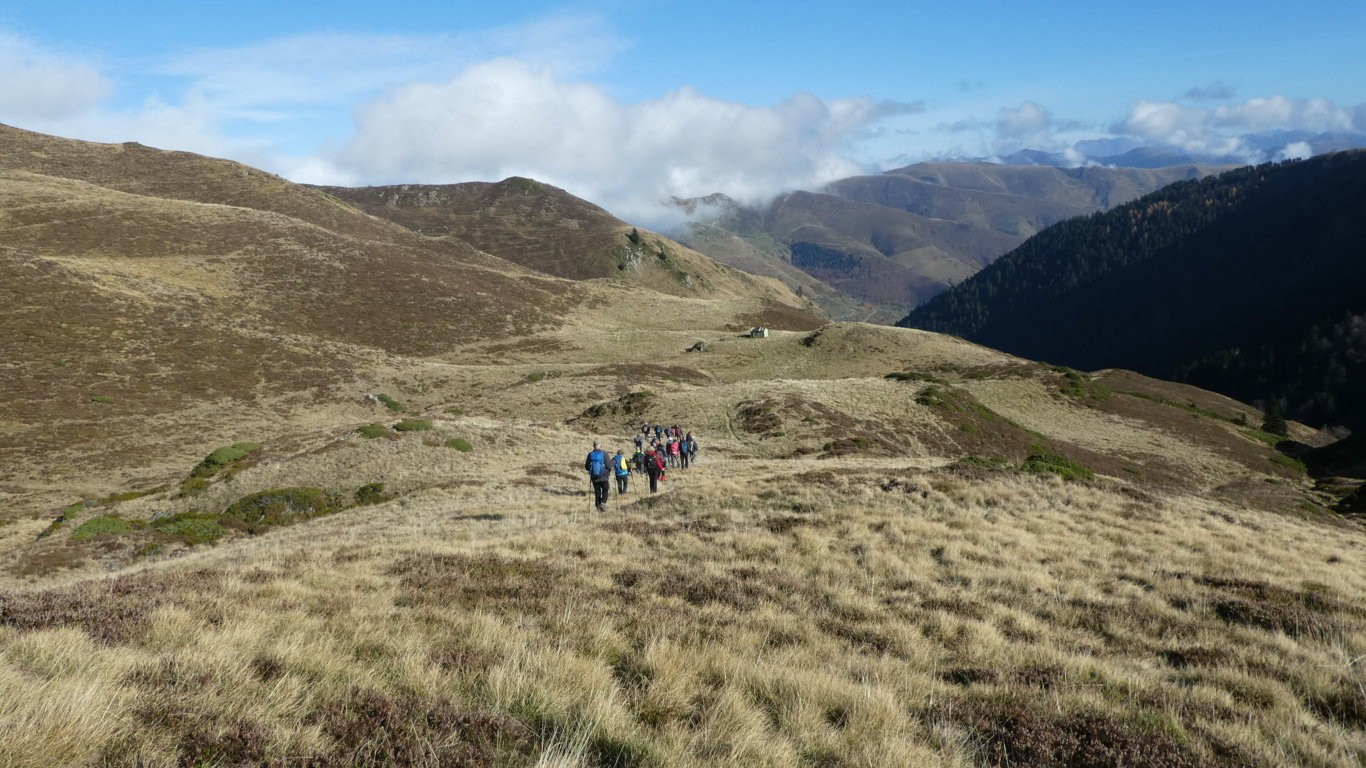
1018 731
488 582
48 559
783 317
111 610
368 727
759 417
1313 612
360 726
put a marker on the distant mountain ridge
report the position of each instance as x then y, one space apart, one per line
1248 283
878 245
547 229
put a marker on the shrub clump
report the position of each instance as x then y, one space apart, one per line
192 486
1045 462
931 397
261 511
1076 385
222 457
459 444
104 525
190 528
413 425
370 493
1289 462
914 376
390 403
372 431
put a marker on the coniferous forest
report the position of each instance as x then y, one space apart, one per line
1251 283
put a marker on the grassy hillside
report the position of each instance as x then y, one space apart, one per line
976 561
549 230
282 494
155 303
1247 283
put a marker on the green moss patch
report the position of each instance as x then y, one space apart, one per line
1289 462
914 376
1076 385
104 525
391 403
459 444
413 425
222 457
370 493
190 528
1052 463
372 431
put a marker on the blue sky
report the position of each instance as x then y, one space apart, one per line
631 102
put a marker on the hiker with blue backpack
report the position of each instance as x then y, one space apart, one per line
599 471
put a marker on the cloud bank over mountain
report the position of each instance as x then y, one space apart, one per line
505 118
535 99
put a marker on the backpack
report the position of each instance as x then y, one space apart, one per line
622 465
597 464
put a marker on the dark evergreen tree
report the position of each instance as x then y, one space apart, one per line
1273 420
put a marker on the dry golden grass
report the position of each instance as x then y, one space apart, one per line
859 572
762 611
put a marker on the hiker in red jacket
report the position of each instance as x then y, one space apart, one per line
654 468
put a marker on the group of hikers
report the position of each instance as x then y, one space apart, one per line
658 448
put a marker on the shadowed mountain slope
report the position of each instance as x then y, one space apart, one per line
1248 283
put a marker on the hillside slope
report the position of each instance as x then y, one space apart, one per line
1247 283
549 230
277 493
893 240
205 297
977 561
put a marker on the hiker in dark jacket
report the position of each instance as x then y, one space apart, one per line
622 469
638 461
684 452
692 446
598 467
654 469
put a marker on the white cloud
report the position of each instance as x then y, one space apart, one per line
505 117
1297 151
1026 121
1280 113
42 86
1224 130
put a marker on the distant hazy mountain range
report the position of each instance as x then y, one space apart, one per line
1251 283
873 247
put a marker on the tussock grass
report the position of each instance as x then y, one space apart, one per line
826 612
847 577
